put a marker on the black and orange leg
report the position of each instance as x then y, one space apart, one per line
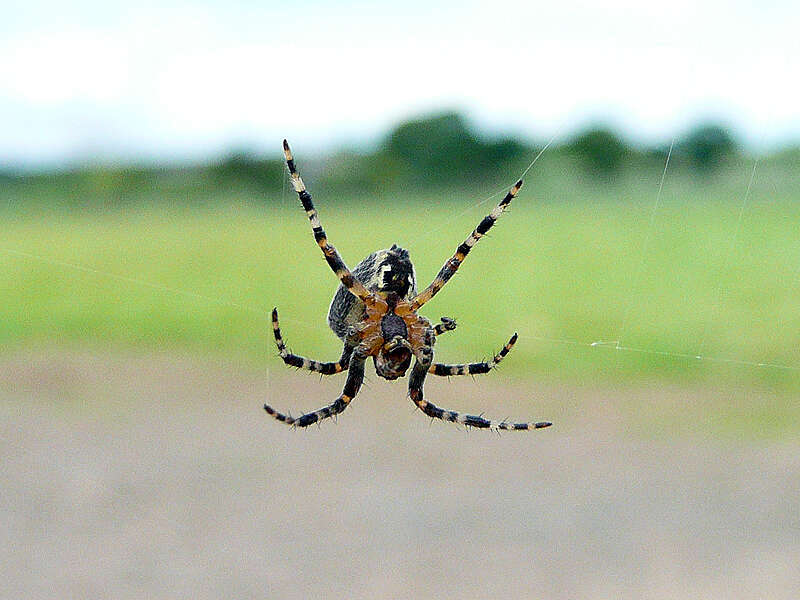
447 324
355 378
451 266
415 384
335 261
293 360
473 368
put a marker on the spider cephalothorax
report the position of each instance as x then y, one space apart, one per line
394 357
374 312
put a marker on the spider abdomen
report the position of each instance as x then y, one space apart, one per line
384 271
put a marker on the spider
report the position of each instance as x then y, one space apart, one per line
374 312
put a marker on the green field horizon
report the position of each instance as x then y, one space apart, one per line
605 285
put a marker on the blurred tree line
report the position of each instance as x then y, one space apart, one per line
443 150
421 155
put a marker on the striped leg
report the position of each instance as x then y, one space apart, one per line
473 368
331 255
354 379
451 266
447 324
417 380
293 360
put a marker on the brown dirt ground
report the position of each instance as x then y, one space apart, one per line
161 477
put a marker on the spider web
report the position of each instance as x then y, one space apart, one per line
612 342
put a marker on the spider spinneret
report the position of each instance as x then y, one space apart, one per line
374 312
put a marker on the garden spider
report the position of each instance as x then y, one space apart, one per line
374 312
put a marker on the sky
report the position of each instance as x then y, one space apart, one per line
149 81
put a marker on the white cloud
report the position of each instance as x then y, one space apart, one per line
198 79
51 68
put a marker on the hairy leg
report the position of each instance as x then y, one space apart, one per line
355 378
335 261
446 325
451 266
473 368
415 384
293 360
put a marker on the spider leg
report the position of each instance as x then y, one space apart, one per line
353 285
451 266
293 360
415 384
355 377
473 368
446 325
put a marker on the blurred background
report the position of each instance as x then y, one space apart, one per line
651 266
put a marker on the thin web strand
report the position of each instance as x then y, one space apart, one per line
719 294
263 312
646 244
650 351
791 289
503 190
133 280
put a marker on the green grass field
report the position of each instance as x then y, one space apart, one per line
691 278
